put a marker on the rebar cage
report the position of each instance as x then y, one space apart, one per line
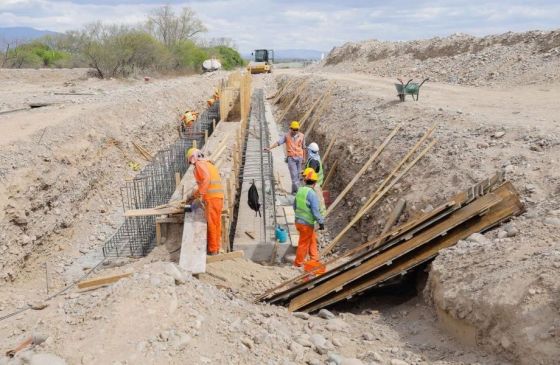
153 186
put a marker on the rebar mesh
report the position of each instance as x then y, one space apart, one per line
153 186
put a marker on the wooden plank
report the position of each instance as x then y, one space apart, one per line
225 256
193 243
313 106
393 235
105 280
152 211
401 163
509 205
250 234
455 219
393 218
365 251
292 102
329 148
363 169
378 197
284 90
317 116
332 169
409 228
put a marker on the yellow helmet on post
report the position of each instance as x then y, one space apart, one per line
294 125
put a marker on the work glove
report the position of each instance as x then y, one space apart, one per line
321 226
286 160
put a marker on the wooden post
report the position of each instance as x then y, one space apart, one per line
364 210
328 150
330 174
363 169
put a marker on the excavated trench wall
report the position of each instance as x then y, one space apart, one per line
504 297
64 193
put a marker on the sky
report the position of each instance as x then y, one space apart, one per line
301 24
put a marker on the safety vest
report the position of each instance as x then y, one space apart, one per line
319 173
215 188
303 211
294 145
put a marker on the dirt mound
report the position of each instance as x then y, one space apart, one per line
509 58
161 315
504 288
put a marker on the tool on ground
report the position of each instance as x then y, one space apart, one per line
30 341
410 88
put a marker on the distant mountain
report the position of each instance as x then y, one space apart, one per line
292 54
21 35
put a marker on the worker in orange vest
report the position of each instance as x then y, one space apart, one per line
295 146
211 192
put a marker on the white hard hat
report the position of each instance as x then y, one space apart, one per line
313 147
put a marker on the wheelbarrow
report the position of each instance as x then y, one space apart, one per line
410 88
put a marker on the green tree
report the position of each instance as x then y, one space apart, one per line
229 57
188 55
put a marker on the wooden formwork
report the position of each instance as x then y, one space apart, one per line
477 209
235 96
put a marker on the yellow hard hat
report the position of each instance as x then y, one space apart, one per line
191 151
294 125
310 175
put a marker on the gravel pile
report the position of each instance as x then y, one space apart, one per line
505 59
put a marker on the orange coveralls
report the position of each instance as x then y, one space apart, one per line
211 191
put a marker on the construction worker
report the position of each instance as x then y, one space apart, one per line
211 192
314 162
295 146
306 206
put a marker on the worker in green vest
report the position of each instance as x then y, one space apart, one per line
306 206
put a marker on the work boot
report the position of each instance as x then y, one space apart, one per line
212 253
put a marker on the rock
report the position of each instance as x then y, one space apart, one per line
304 341
478 238
502 234
301 315
368 336
398 362
511 230
335 358
326 314
530 188
175 273
248 342
499 134
552 221
297 349
320 344
314 362
336 325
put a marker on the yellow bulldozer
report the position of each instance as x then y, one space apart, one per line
262 61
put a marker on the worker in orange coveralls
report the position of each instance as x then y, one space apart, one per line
307 209
211 192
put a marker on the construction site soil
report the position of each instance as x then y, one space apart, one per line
491 299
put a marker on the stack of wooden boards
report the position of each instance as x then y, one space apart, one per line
480 208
